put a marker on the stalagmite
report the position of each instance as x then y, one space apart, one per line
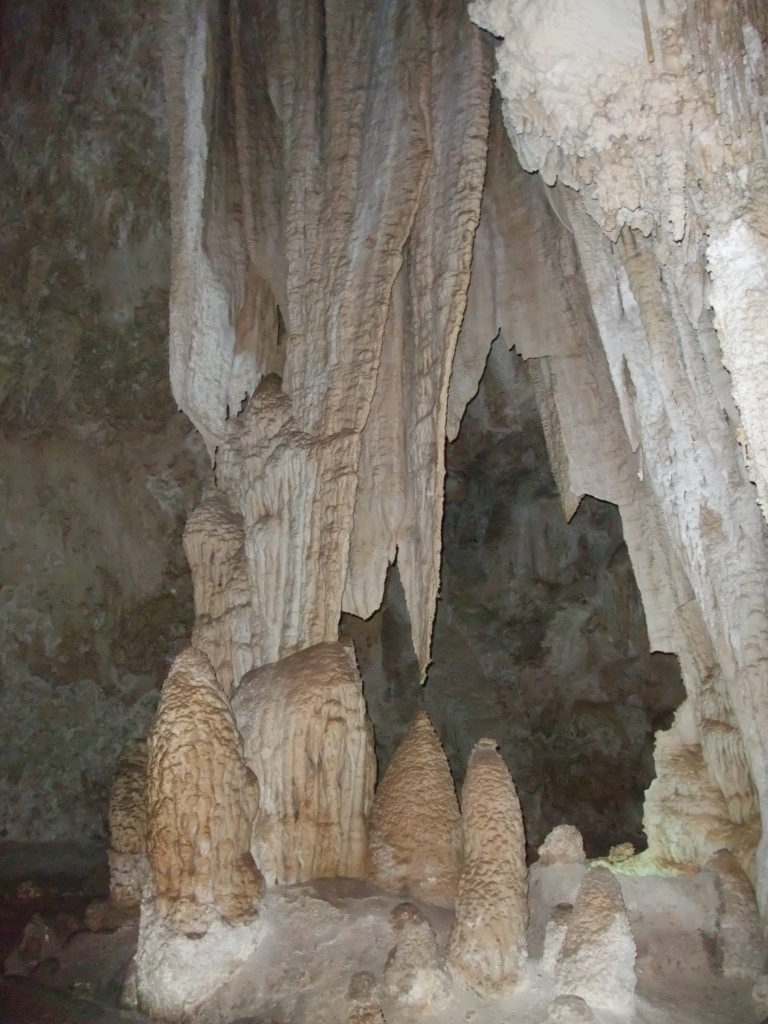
199 913
201 802
487 947
563 845
309 741
128 826
414 842
597 961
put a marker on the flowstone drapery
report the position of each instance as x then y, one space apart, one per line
326 178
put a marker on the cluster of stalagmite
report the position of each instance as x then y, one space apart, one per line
414 842
201 802
487 947
308 740
128 826
597 959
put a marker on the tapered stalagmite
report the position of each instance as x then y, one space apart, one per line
597 960
487 948
128 825
308 739
201 802
414 842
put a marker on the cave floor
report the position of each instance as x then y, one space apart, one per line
318 936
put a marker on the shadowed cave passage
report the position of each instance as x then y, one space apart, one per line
540 638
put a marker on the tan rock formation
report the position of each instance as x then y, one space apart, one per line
307 738
128 826
563 845
597 960
201 802
487 947
414 974
414 834
740 936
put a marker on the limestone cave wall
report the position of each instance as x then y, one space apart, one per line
98 469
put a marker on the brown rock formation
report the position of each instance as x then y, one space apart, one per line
487 947
201 803
308 739
414 839
128 825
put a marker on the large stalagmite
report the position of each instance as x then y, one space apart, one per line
201 802
414 841
308 739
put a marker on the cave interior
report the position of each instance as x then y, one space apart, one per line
383 472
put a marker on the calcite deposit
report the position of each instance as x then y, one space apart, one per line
487 947
202 800
308 739
414 841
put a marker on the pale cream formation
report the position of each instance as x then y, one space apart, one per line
201 802
414 841
487 946
308 739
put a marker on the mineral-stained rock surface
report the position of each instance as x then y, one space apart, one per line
308 739
202 800
597 960
414 839
487 948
